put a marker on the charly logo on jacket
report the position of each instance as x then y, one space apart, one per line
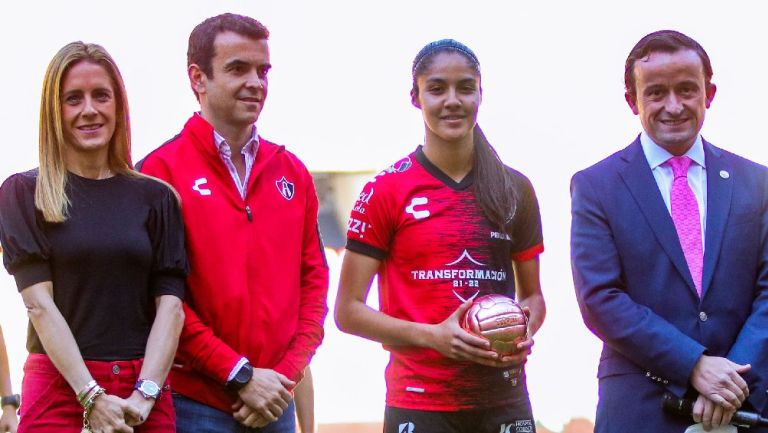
285 188
199 186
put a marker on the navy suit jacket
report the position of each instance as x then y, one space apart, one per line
636 293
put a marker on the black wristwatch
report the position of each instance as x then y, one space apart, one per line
12 400
242 377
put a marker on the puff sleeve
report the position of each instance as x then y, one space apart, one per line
166 231
26 250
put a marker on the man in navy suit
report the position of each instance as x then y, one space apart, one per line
669 248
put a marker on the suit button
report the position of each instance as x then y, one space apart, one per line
703 316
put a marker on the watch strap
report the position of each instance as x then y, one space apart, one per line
143 384
10 400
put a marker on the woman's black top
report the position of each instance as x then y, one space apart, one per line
121 247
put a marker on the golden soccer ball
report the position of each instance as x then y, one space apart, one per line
500 320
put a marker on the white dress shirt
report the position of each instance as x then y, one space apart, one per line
249 154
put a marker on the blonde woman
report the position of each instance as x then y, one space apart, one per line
97 252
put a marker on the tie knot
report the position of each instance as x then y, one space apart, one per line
679 165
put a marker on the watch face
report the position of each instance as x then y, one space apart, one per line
241 379
149 388
243 376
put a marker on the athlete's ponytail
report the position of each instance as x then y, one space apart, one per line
495 190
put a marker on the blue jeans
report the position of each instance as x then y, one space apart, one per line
194 417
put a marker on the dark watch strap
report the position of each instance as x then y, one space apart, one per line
242 377
11 400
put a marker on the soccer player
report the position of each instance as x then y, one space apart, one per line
445 224
258 282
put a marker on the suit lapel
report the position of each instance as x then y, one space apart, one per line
642 185
719 190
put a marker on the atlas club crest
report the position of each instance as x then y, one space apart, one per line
285 188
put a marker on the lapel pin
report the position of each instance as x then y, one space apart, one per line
724 174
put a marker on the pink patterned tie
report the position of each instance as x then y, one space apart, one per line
685 214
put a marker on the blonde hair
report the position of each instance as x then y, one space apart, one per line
50 192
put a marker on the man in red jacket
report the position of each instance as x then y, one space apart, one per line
256 296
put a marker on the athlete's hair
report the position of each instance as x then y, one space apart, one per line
665 41
201 50
50 192
494 184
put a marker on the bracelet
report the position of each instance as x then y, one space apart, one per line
82 396
90 396
88 405
92 399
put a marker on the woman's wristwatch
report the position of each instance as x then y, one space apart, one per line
147 388
11 400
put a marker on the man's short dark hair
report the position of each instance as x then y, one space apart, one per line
665 41
201 51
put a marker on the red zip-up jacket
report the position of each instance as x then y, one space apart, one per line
258 278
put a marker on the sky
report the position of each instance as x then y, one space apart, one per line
552 79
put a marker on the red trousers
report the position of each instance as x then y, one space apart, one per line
48 404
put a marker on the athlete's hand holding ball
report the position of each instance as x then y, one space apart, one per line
452 340
500 320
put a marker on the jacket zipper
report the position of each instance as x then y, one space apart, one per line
248 213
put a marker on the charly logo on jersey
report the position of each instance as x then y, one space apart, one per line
406 427
199 186
420 213
285 188
464 272
519 426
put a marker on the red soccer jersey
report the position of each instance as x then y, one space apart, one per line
436 245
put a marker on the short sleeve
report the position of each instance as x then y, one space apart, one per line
26 250
166 230
370 225
527 237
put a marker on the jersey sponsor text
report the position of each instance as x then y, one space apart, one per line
463 274
356 226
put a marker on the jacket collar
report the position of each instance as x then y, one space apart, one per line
636 174
201 135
